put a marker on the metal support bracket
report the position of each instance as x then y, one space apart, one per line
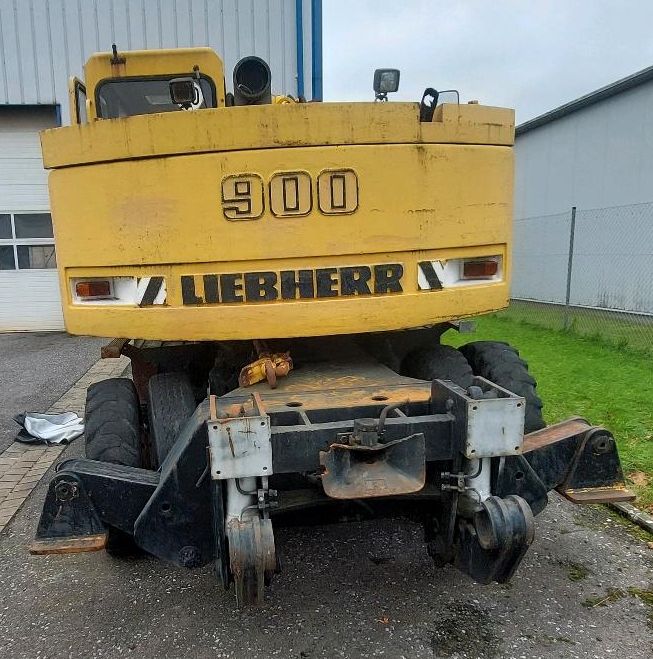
241 446
579 460
490 423
69 522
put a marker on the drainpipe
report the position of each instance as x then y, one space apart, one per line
299 34
316 45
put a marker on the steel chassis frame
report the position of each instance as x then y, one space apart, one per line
178 512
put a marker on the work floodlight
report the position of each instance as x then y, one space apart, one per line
386 81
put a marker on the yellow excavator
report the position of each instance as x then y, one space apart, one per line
280 273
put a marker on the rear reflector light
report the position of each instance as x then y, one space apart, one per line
99 288
480 269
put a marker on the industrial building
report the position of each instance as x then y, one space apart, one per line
43 42
595 154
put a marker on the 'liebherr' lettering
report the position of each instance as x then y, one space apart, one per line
268 286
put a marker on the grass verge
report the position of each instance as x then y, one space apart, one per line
620 330
583 376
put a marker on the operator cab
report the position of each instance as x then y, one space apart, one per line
120 85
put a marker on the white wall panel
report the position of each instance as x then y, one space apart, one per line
23 181
30 301
596 157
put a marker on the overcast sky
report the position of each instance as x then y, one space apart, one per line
532 55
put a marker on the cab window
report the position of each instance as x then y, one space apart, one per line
126 97
80 102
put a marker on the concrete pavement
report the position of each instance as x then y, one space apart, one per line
23 465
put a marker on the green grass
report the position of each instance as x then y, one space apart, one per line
584 376
575 571
621 330
615 594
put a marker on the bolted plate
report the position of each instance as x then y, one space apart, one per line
495 426
240 447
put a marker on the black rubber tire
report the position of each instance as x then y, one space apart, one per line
500 363
112 429
170 403
438 362
112 434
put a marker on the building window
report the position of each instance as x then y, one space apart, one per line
26 242
33 225
7 261
5 226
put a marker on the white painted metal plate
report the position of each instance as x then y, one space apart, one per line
240 447
495 426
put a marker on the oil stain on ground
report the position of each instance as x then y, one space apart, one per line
465 631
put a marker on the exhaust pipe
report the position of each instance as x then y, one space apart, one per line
252 79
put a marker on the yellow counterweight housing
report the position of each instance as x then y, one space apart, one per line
280 220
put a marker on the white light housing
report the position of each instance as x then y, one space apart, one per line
123 291
435 275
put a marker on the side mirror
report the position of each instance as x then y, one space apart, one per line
182 91
386 81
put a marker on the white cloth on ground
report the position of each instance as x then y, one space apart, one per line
53 428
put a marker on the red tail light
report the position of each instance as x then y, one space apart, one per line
93 289
480 269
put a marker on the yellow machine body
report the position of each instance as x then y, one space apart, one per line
277 220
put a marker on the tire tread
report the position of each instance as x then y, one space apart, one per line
500 363
112 425
438 362
171 402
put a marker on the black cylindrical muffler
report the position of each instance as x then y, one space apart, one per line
252 80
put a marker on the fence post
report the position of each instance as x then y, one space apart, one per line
570 265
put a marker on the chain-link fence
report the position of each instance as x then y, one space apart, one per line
587 271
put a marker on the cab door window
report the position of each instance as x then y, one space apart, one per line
126 97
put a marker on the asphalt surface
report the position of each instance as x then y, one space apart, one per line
36 369
358 589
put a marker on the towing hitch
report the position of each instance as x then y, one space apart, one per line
361 465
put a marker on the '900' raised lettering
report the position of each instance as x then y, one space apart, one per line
289 194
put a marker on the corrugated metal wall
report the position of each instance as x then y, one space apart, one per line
596 157
42 42
23 181
599 159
